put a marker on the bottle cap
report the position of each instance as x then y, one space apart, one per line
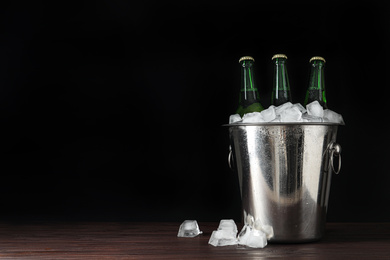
246 58
279 56
317 58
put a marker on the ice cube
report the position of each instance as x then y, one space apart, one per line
277 119
291 114
268 230
300 107
189 228
228 225
222 238
226 234
244 234
331 116
307 118
315 109
268 114
252 237
254 117
234 118
256 239
281 108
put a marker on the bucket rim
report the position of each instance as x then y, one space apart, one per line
284 124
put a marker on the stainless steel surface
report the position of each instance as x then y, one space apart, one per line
230 159
285 176
335 151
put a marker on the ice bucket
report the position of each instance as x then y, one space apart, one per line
284 172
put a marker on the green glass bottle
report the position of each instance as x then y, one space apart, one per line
249 95
316 88
281 86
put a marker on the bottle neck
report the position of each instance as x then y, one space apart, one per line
280 75
316 88
317 79
281 84
247 75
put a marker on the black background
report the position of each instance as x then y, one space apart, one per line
112 110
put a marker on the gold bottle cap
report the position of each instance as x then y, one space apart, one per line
246 58
279 56
317 58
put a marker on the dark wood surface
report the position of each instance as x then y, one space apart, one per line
128 240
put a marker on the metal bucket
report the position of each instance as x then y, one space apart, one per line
284 172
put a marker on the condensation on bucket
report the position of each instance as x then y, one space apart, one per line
284 176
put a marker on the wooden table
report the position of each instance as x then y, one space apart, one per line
128 240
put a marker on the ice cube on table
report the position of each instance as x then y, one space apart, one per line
234 118
225 235
291 114
252 237
189 228
268 114
228 225
254 117
315 109
281 108
222 238
331 116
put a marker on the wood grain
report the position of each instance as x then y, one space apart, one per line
128 240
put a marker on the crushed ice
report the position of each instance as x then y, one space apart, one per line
289 112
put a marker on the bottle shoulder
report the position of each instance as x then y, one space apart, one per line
255 107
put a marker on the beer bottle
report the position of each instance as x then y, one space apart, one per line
281 86
249 100
316 88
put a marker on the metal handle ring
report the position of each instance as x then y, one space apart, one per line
335 151
230 159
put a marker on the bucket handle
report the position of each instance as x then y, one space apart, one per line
335 150
230 158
